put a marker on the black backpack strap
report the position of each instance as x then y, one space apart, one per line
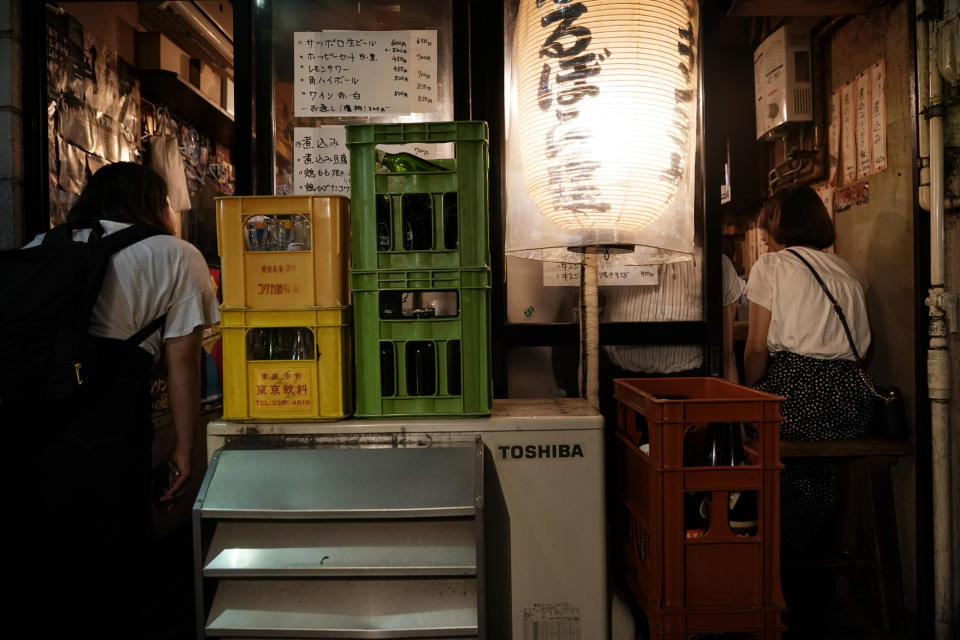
125 237
833 301
64 232
147 331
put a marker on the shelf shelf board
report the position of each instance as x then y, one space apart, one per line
344 608
184 100
434 482
339 549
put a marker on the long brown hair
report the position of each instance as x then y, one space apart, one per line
124 192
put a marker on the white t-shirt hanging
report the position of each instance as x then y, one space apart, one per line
159 275
802 319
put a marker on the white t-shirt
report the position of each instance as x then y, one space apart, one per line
159 275
676 298
802 320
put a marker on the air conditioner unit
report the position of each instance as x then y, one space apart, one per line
190 28
781 80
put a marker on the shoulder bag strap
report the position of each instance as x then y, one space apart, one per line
887 396
833 301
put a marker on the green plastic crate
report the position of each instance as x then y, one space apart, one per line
461 246
469 332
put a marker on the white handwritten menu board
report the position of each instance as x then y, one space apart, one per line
321 160
321 164
364 73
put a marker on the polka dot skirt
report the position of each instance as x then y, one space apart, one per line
826 400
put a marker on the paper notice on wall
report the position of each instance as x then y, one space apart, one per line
321 164
834 137
567 274
364 73
848 145
321 159
878 115
862 114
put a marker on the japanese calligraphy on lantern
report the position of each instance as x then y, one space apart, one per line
567 274
321 159
364 73
281 390
321 164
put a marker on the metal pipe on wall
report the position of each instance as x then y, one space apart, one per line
938 356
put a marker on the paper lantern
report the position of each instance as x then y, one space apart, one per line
606 107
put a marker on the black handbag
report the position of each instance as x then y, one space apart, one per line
889 414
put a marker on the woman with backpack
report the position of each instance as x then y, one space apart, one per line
88 518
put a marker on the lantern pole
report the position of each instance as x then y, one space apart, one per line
589 331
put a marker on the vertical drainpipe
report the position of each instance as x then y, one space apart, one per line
938 356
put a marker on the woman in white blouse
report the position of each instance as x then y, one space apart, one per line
797 348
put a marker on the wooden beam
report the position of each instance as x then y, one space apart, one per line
750 8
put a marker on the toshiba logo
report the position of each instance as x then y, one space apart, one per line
517 452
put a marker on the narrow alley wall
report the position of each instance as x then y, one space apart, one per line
876 238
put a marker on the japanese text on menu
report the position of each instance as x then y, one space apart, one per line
364 73
321 159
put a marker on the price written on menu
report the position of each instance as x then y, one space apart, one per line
567 274
321 160
364 73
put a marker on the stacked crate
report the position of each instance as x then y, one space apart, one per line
714 581
444 253
285 318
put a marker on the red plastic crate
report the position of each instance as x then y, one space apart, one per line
719 582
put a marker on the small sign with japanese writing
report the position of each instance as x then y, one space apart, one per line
321 164
321 160
282 389
862 116
848 144
878 116
567 274
364 73
278 279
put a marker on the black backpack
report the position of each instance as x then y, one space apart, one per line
48 291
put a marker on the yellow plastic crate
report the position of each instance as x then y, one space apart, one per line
285 279
264 380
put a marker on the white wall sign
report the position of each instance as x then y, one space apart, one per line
848 145
321 164
878 115
321 160
567 274
364 73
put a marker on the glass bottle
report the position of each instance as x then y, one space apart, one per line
386 369
421 368
302 344
417 214
383 222
404 162
453 367
450 231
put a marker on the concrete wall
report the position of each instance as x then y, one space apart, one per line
11 119
877 237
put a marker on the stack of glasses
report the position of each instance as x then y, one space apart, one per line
420 274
